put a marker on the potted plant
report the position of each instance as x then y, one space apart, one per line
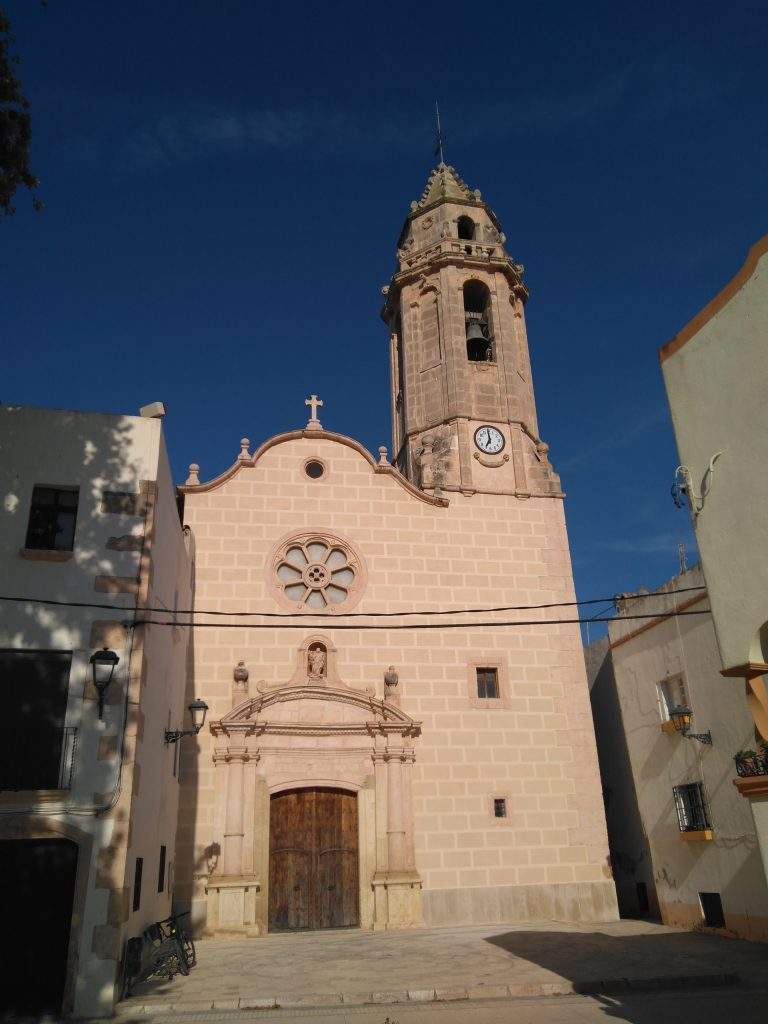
749 762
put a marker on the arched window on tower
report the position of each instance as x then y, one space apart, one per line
477 322
466 228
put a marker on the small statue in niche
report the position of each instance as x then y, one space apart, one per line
317 660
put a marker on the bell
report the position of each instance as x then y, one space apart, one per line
475 332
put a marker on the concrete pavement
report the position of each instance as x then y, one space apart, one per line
400 972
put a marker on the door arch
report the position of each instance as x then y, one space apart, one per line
313 859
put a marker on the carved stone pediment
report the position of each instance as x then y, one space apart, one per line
315 710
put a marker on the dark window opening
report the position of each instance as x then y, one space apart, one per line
643 906
712 909
691 807
161 870
466 228
477 320
137 883
499 807
37 751
488 683
52 518
314 469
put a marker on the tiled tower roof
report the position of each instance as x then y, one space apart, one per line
444 184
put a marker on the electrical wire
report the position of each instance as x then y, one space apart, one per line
355 615
329 624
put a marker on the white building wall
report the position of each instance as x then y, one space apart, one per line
97 453
728 863
716 375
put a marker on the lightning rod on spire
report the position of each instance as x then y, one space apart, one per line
439 146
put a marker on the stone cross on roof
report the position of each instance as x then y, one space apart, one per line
314 403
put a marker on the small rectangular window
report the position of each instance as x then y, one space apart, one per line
691 807
161 870
488 683
137 883
712 909
499 807
52 518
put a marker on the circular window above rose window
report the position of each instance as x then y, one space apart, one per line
317 572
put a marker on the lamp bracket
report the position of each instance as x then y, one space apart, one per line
702 737
174 735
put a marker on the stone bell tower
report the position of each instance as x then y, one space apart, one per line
463 410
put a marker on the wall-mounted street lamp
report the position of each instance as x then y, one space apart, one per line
681 719
103 664
197 709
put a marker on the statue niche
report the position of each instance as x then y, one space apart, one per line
317 663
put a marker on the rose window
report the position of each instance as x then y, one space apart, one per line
316 573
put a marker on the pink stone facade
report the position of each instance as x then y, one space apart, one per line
534 746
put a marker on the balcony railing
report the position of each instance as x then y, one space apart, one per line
750 763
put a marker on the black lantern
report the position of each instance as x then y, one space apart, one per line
103 664
197 710
680 716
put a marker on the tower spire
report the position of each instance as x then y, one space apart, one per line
439 145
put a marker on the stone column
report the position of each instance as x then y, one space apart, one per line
233 823
380 784
410 853
396 845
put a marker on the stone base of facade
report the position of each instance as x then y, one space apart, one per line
234 908
737 926
397 900
578 901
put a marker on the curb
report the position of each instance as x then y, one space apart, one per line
659 983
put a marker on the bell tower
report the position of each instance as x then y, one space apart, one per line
463 410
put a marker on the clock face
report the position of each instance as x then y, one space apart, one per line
489 440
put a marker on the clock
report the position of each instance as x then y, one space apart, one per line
489 440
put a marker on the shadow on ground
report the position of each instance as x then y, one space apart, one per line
617 970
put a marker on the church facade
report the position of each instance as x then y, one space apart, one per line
391 741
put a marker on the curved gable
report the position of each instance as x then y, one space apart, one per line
244 460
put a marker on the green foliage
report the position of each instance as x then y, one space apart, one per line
743 755
15 128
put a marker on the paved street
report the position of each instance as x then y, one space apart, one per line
441 973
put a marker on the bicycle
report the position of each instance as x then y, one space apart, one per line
171 929
163 949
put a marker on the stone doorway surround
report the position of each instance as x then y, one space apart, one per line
314 731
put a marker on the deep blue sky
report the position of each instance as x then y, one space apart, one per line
224 186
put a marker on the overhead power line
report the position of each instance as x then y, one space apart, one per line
354 615
329 623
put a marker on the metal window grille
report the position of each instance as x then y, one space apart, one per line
488 683
499 807
52 518
691 807
68 752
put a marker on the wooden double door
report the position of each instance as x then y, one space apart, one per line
313 860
